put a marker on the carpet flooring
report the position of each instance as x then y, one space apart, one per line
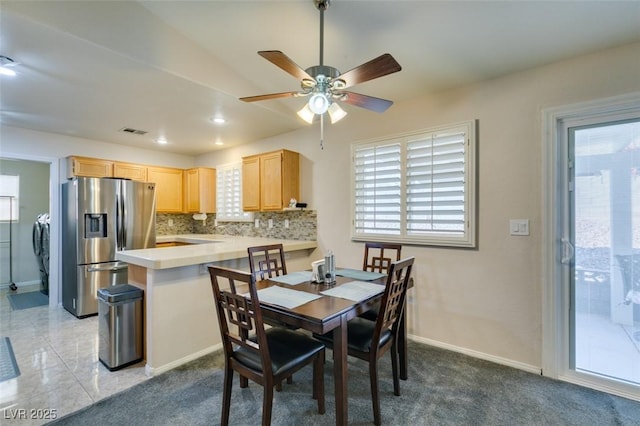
27 300
444 388
8 365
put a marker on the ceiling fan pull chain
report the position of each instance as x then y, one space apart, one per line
322 132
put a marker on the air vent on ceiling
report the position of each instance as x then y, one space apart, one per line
133 131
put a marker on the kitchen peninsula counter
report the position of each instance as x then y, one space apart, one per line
202 248
180 320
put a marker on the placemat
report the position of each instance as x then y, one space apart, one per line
359 275
355 290
293 278
288 298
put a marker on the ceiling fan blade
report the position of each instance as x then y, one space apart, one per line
282 61
365 101
269 96
378 67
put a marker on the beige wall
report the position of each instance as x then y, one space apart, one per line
488 300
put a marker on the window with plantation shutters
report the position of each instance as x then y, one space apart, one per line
417 188
229 194
378 181
9 191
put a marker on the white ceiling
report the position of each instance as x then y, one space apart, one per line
91 68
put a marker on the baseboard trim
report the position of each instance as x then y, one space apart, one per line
155 371
476 354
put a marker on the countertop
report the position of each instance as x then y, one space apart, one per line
205 248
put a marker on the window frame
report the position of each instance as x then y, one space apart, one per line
221 217
468 237
13 213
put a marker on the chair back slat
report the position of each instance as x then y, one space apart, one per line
393 299
239 316
375 259
267 261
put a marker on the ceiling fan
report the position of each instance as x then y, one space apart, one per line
325 84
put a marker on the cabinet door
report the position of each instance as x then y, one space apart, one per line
251 184
168 188
290 177
130 171
200 190
271 181
89 167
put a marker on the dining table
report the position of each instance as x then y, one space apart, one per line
295 300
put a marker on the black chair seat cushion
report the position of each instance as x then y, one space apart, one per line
287 349
372 314
359 335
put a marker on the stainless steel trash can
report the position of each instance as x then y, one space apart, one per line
120 326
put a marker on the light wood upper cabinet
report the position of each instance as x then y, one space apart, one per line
274 176
169 183
130 171
97 167
89 167
251 183
200 190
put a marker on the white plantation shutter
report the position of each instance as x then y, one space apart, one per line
436 184
377 189
417 189
229 194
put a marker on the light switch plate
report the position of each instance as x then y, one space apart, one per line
519 226
286 223
257 223
270 223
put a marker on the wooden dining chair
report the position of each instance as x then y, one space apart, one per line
375 260
370 340
267 261
266 356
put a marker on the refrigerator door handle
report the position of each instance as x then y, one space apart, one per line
120 232
117 267
123 217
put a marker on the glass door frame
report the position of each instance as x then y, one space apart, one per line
557 251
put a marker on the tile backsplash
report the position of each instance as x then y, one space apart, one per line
302 225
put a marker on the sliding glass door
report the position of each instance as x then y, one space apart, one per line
604 238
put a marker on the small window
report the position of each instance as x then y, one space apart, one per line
9 192
417 188
229 194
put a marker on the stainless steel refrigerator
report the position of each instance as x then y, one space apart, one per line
99 217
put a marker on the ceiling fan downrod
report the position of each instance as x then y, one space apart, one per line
322 5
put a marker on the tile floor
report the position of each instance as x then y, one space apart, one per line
58 359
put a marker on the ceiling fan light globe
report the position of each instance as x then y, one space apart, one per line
336 113
7 71
306 114
318 103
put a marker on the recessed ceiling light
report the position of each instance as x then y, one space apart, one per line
162 141
219 143
218 120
